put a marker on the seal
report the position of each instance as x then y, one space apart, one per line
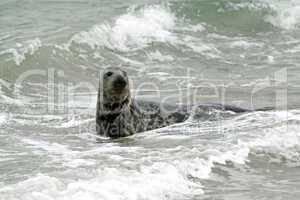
120 115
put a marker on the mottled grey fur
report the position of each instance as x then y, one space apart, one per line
119 115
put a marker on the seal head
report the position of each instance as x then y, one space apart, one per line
116 92
113 102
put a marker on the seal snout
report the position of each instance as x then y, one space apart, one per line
119 83
115 85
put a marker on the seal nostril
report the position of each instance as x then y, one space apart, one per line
120 82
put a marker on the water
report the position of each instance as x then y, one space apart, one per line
239 52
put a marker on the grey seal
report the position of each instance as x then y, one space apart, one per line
120 115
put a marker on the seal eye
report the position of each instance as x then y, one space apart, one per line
109 74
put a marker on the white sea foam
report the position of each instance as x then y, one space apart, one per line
252 5
201 47
157 55
3 118
158 180
197 28
287 14
193 28
12 101
58 153
73 123
51 148
130 61
74 163
164 173
4 37
140 28
245 44
22 49
155 182
273 134
131 31
281 140
270 59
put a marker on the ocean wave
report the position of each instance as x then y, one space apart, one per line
171 172
139 28
3 118
21 50
281 14
245 44
158 180
134 30
57 153
287 14
275 132
157 55
161 181
200 46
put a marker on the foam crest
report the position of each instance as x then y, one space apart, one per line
155 182
275 133
3 118
245 44
287 14
131 31
277 136
165 173
21 50
158 56
279 141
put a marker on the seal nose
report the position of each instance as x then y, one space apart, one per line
119 82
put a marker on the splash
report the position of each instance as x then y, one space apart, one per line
287 14
131 31
3 118
22 50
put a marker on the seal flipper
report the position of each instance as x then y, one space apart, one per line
265 109
237 109
215 111
225 107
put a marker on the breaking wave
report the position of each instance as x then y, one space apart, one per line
133 30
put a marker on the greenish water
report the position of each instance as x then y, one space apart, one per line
237 52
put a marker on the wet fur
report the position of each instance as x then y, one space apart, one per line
123 116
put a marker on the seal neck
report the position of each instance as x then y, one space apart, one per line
113 110
109 117
115 107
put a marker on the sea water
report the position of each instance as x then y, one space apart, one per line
240 52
